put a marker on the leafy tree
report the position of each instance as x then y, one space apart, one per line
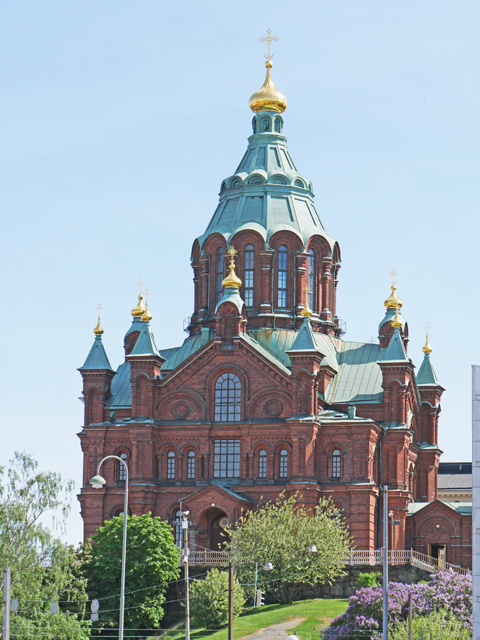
209 600
282 533
152 561
368 579
438 624
43 569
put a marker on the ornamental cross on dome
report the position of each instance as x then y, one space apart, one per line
269 39
394 275
232 252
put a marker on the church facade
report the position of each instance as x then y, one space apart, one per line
265 396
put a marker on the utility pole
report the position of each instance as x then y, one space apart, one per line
385 562
6 609
187 581
410 616
230 601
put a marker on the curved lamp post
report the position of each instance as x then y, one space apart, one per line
98 482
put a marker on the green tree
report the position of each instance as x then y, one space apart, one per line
152 562
44 570
282 533
209 600
438 624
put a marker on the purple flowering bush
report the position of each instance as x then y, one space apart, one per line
363 617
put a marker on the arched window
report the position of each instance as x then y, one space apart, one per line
336 463
227 398
283 466
191 465
311 279
262 464
248 275
171 465
219 274
282 272
277 125
122 472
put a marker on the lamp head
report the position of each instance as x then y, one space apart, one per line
268 566
98 482
313 549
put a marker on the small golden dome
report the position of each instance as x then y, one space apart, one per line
98 331
268 97
306 312
427 349
139 310
393 301
396 322
232 281
146 316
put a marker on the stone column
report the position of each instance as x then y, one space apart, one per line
204 274
301 281
267 270
326 284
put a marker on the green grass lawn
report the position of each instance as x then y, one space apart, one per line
316 614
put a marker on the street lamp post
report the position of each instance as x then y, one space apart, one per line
98 482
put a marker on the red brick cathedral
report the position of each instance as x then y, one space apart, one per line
265 395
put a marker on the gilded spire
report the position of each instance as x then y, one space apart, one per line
139 310
396 322
147 316
306 312
268 97
232 281
427 349
393 301
98 331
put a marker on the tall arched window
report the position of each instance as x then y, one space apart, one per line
178 528
227 398
122 472
282 272
191 465
248 275
336 463
311 279
262 464
219 274
283 466
171 465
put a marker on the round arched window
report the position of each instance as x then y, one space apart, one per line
227 398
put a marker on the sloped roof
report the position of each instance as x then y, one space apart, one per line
395 351
426 374
462 508
145 343
121 389
97 357
305 339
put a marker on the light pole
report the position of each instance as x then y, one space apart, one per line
98 482
385 563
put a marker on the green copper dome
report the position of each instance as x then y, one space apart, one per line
266 193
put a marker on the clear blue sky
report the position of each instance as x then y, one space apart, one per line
118 121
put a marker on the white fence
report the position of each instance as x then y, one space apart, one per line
374 558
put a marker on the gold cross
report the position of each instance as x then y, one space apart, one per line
140 284
394 274
147 293
427 327
99 308
232 252
269 39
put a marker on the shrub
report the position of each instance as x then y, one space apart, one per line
363 617
438 624
209 600
369 579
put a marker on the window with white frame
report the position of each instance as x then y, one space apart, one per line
191 465
122 472
226 459
262 464
282 274
283 464
248 275
227 398
336 460
170 465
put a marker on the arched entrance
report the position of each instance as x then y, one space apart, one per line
218 536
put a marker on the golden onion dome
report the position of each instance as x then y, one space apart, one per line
139 310
427 349
306 312
396 322
393 301
98 331
146 316
268 97
232 281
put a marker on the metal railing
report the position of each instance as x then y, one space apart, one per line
359 557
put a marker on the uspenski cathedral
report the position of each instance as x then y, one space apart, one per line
265 395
